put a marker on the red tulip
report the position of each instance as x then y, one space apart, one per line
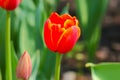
61 32
9 4
24 67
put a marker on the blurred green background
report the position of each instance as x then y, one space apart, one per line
99 21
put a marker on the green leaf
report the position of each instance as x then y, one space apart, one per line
82 12
65 9
28 5
93 42
105 71
0 75
47 64
96 10
40 18
26 38
14 62
35 65
2 41
50 5
90 14
2 37
36 2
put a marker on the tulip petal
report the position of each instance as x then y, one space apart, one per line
55 18
75 21
56 34
68 17
48 35
68 23
68 39
1 3
9 5
65 17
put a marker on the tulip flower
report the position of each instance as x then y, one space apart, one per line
24 67
61 32
9 4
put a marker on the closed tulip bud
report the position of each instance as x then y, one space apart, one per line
61 32
24 67
9 4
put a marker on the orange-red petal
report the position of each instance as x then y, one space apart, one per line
0 2
68 39
55 18
56 34
48 35
65 17
10 5
68 23
68 17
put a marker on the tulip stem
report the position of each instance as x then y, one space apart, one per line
8 48
57 66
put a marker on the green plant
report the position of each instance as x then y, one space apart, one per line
90 14
105 71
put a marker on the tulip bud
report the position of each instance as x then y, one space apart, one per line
24 67
9 4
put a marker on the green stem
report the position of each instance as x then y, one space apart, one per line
0 75
8 48
57 66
